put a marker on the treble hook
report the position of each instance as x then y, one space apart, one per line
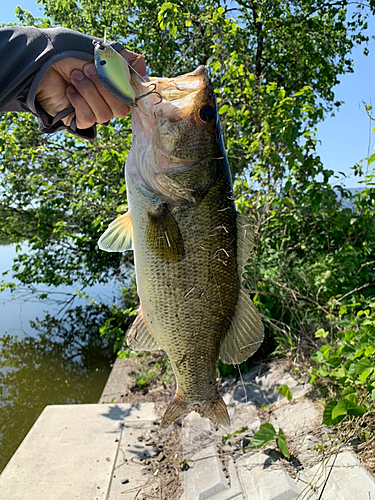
153 91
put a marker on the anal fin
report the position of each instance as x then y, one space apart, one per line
139 337
118 236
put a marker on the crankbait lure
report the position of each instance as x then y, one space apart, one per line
115 74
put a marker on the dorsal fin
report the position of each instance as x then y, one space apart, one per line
246 331
118 236
245 241
139 337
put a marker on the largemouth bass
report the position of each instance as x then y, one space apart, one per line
190 246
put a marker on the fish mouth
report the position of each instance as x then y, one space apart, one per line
175 98
177 89
174 130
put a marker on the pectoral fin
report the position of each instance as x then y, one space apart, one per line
118 236
246 331
139 337
163 235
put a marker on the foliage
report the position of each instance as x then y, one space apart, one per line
284 390
159 370
119 320
346 361
315 246
273 66
225 437
266 434
60 192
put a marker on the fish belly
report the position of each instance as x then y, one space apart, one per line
188 305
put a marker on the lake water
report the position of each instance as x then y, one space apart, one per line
47 356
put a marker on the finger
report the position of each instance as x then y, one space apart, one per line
68 119
118 108
85 118
90 94
137 61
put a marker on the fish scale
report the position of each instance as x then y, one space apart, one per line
202 319
190 246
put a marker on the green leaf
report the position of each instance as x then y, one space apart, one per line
288 185
285 391
356 411
265 434
348 391
282 444
343 310
225 437
321 333
327 414
363 365
340 409
370 349
318 357
325 349
371 159
365 374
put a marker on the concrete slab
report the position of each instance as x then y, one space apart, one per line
118 380
262 389
262 478
235 490
130 472
205 477
295 416
243 416
70 452
342 477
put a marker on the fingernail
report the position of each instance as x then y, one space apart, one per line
90 69
77 75
71 91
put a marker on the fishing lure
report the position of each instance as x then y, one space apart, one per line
115 74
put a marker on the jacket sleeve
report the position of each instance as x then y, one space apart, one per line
26 54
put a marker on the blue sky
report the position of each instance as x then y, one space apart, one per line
345 137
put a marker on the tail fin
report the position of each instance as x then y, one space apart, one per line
214 409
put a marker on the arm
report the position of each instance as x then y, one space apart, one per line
46 72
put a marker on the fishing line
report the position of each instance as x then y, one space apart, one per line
242 382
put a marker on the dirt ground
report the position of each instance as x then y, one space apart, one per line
165 468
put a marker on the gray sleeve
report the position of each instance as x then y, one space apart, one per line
26 54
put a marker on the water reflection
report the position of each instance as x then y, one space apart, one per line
66 362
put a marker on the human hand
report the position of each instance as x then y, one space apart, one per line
71 82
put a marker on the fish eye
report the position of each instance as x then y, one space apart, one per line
207 114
